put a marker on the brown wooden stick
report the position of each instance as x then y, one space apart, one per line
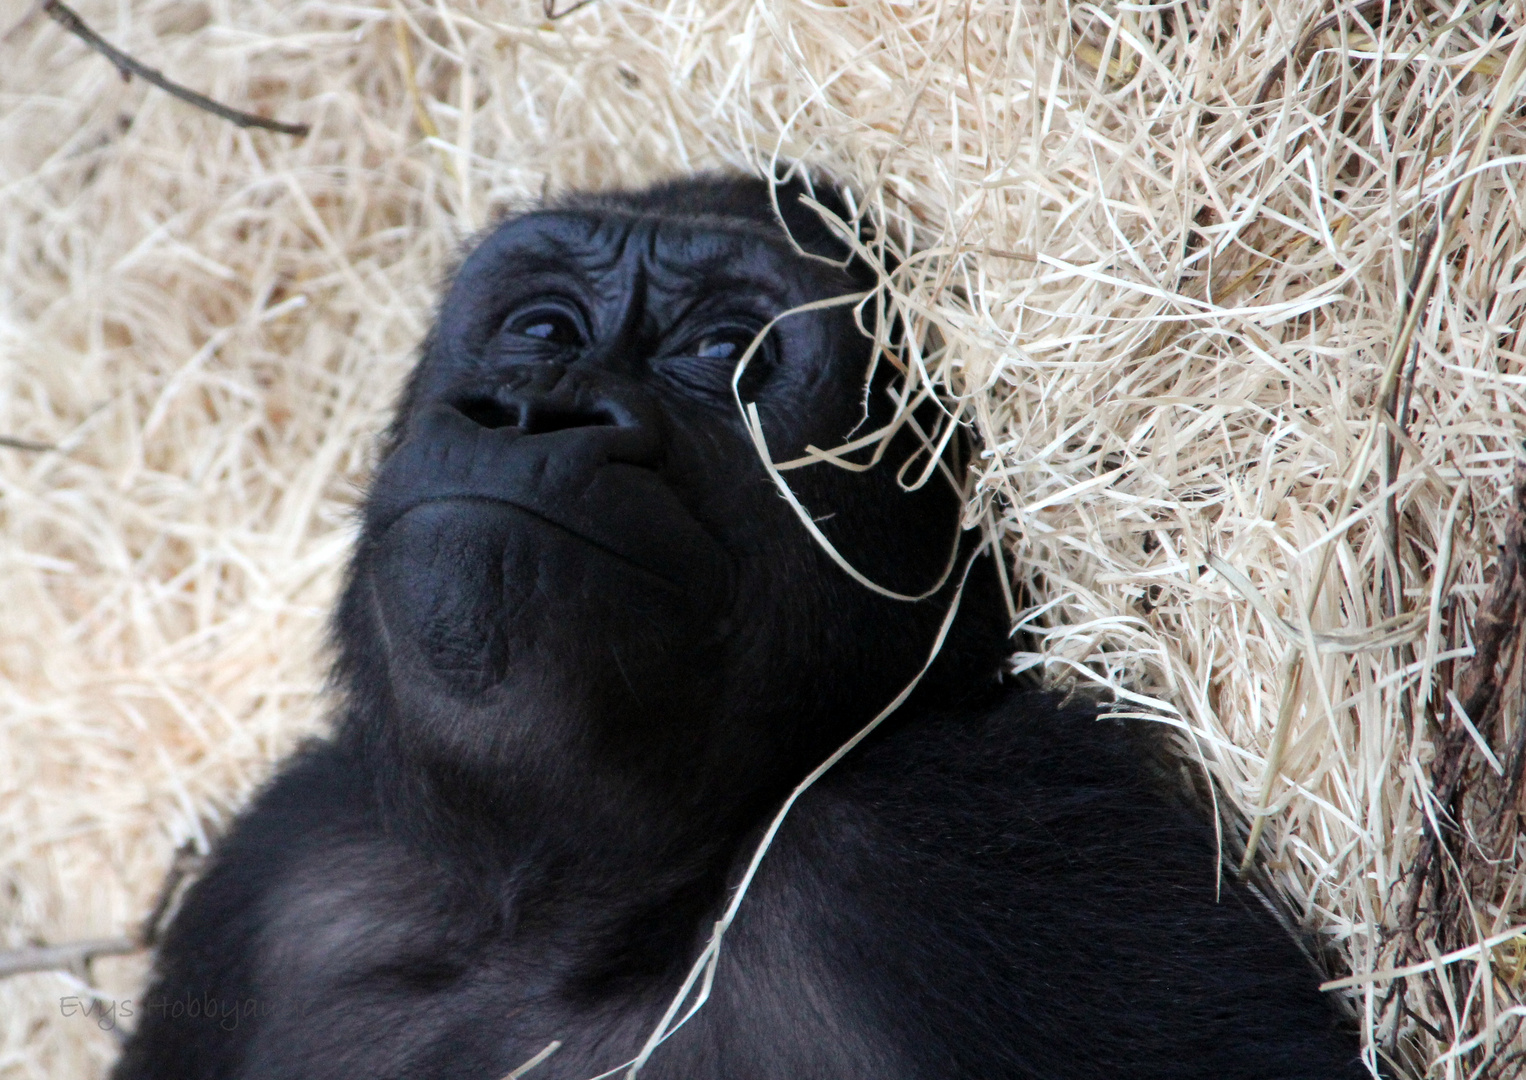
66 17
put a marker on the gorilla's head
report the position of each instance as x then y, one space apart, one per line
575 569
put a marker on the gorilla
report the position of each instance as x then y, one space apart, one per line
587 651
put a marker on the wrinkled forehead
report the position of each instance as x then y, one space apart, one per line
662 253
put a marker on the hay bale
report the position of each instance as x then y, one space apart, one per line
1184 259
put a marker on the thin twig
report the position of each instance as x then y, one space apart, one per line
10 442
182 874
62 957
549 7
65 16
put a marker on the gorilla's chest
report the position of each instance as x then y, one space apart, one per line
369 967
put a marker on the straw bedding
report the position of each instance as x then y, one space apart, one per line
1182 260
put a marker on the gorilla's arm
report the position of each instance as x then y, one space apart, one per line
205 1004
1058 908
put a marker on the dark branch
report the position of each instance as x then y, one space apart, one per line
65 16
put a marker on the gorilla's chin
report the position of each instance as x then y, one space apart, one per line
438 581
472 591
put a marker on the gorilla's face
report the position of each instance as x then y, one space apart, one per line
573 537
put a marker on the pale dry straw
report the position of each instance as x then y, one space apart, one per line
1165 253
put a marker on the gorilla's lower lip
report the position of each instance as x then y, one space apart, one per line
591 541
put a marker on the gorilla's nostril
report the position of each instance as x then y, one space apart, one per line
532 417
540 419
488 412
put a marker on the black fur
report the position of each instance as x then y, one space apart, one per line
587 649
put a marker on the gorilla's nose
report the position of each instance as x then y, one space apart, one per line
533 417
537 399
582 414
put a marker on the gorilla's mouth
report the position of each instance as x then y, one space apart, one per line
579 482
558 527
470 579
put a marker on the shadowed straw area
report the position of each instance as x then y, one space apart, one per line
1233 291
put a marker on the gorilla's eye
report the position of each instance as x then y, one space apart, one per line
727 344
704 363
551 325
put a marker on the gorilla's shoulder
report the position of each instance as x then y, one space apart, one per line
1051 752
318 793
1051 796
1058 811
1026 797
317 799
